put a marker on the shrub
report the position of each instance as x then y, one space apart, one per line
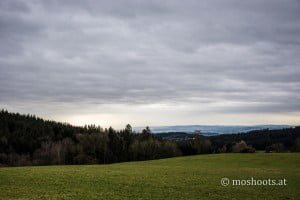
242 147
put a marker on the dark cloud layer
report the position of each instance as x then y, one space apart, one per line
223 56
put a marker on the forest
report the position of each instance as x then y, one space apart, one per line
29 140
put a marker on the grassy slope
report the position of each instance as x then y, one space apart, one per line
193 177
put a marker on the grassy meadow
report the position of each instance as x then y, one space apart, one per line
192 177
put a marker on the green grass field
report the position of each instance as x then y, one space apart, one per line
193 177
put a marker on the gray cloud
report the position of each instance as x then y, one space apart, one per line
224 56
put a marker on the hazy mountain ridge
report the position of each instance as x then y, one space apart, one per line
212 129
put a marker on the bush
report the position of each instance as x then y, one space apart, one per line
242 147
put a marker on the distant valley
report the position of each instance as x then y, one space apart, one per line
211 129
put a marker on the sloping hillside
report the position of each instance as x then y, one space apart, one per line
192 177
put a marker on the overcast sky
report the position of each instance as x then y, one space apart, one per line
152 62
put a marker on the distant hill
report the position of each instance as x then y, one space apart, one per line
212 129
283 139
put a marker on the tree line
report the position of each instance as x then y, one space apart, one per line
280 140
29 140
